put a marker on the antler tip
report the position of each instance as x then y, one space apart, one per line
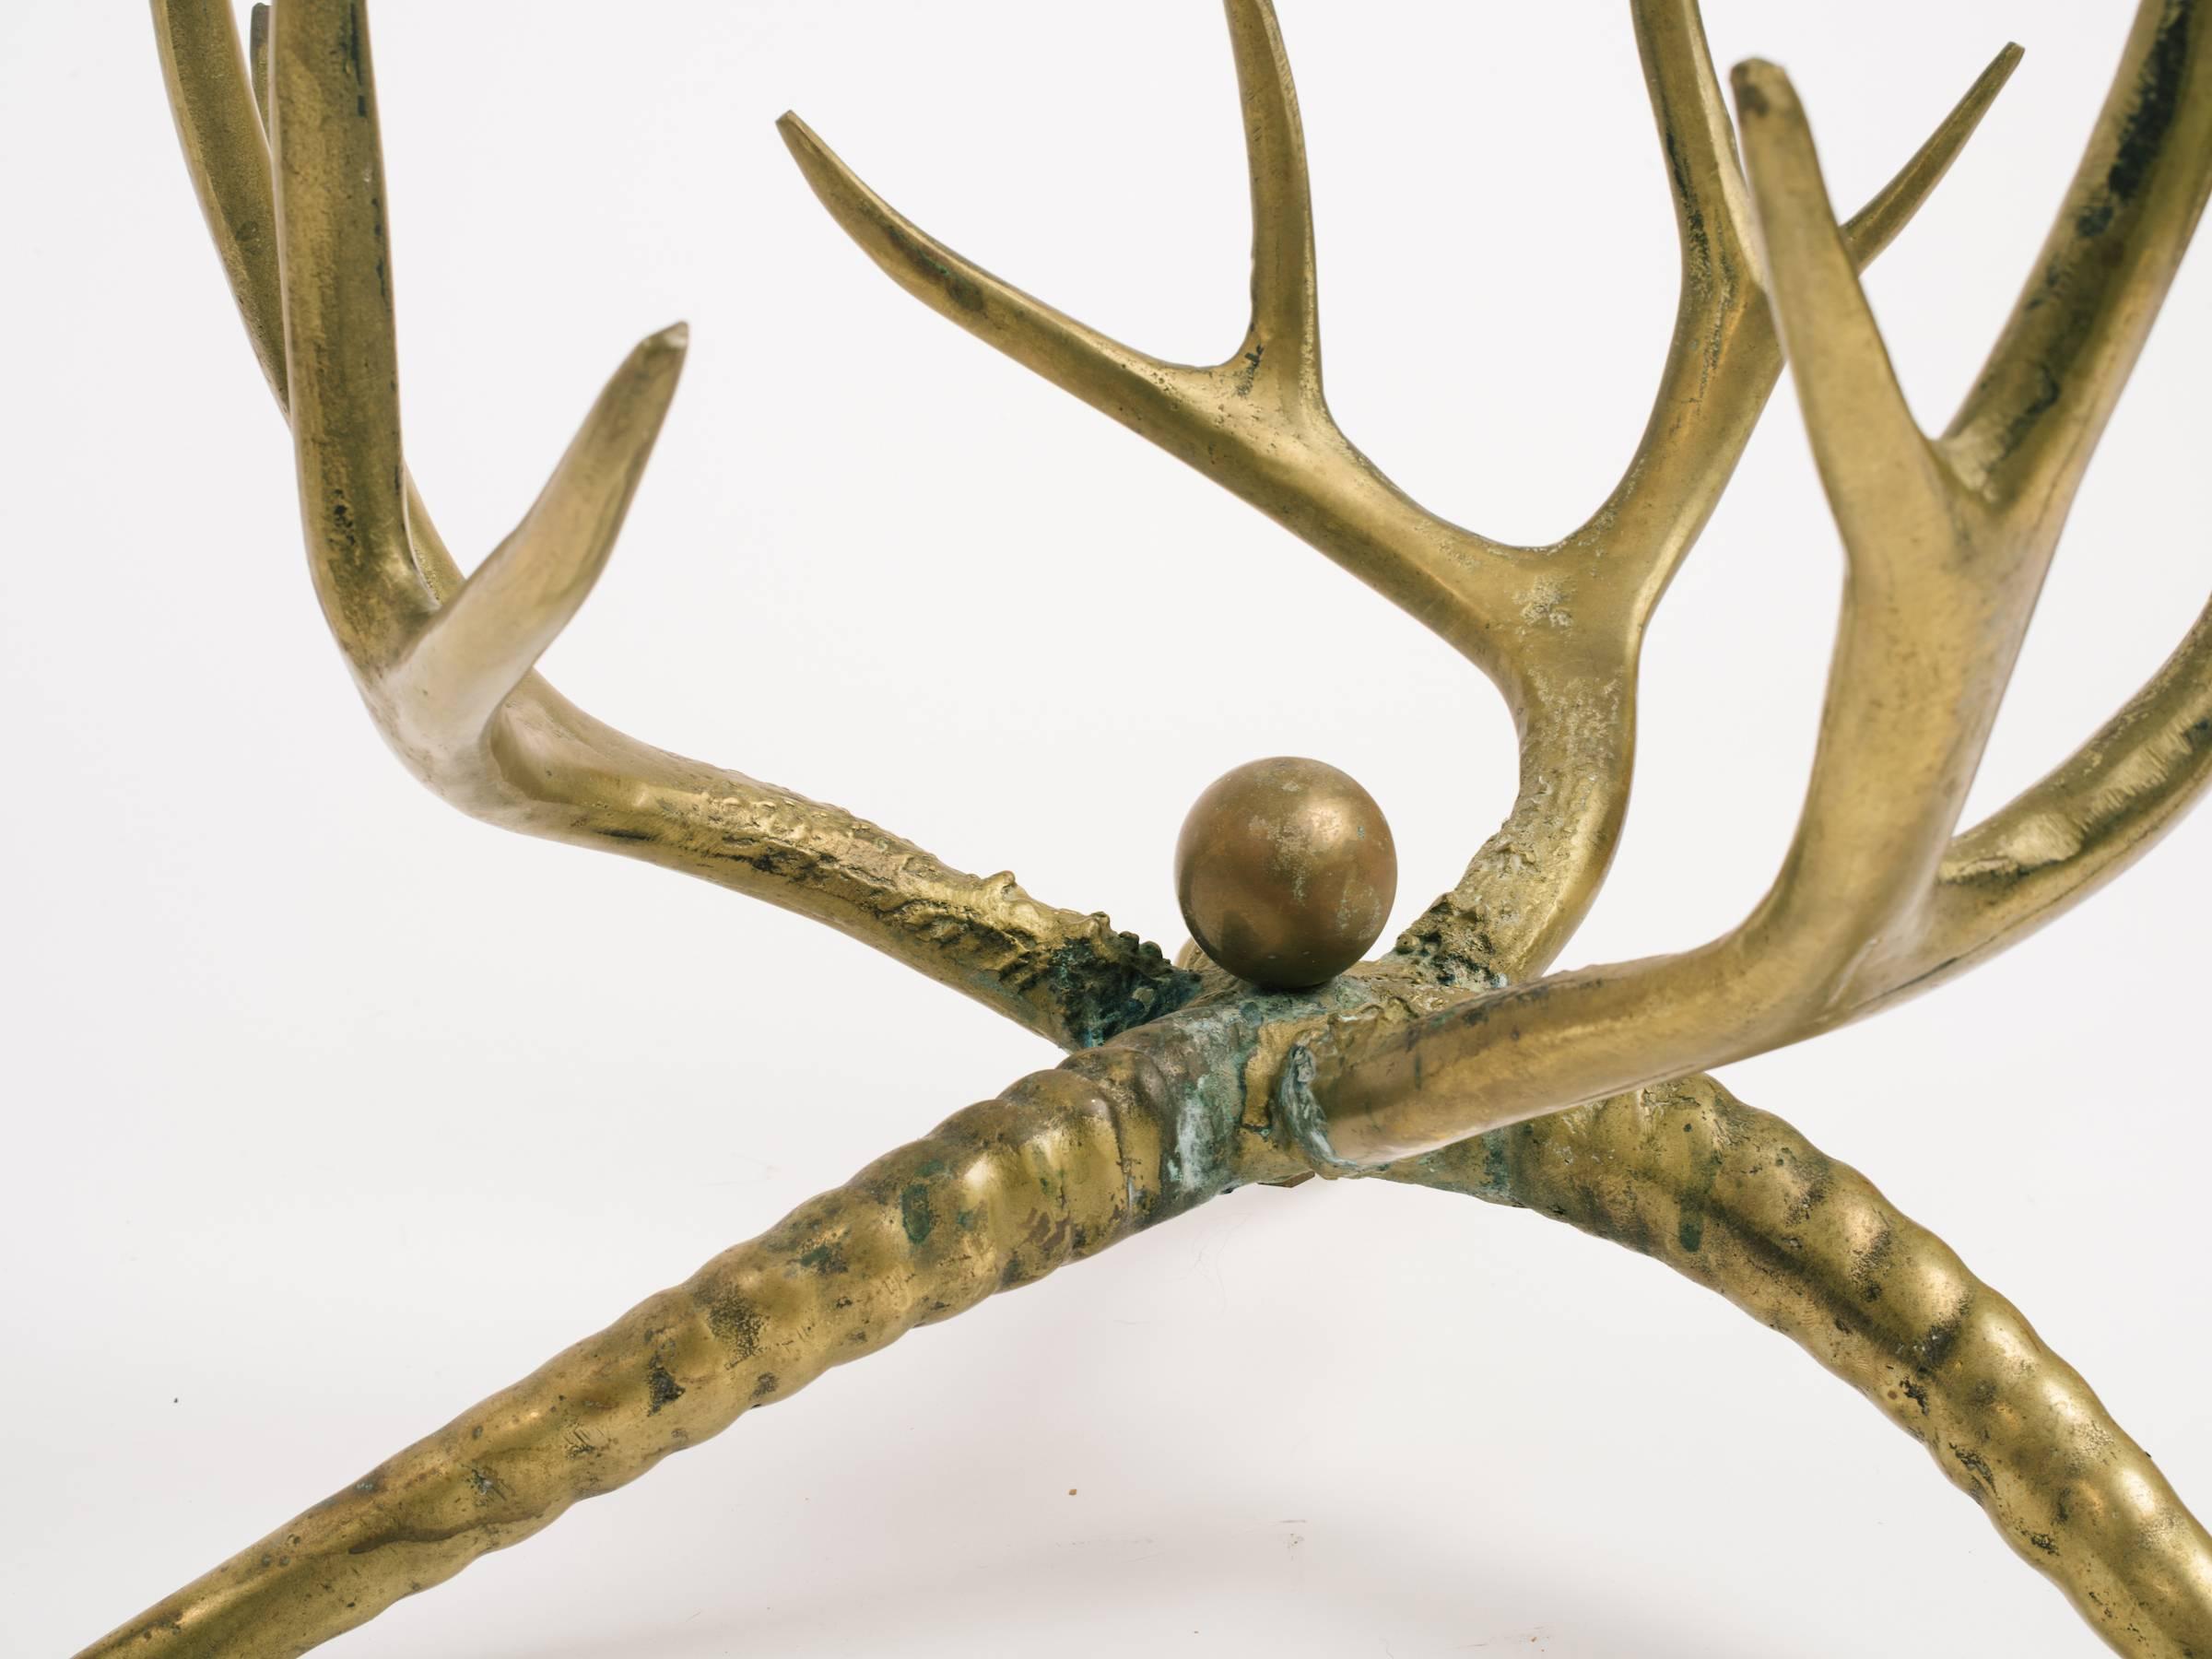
648 376
1761 89
816 161
1991 81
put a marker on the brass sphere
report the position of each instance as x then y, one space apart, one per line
1285 871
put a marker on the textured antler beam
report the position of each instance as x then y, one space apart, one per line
1060 1167
451 688
1738 1201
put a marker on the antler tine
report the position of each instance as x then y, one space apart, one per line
1557 627
2091 816
341 355
1934 604
1256 422
445 666
1986 502
225 151
1284 341
481 646
1529 885
1723 361
2026 432
1936 597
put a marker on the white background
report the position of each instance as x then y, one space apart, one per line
329 1111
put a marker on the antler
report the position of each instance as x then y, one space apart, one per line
1946 543
1066 1163
1738 1201
1558 628
447 667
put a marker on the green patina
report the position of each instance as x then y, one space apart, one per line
827 1257
1217 1039
916 1211
1103 988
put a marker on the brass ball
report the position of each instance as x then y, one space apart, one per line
1285 871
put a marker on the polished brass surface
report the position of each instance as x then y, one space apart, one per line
1946 541
1285 871
1187 1081
1740 1202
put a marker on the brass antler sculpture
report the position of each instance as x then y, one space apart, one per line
1453 1061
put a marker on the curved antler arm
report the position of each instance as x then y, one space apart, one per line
447 667
1061 1166
1740 1202
2026 432
1528 888
1557 627
1723 359
1941 579
2094 815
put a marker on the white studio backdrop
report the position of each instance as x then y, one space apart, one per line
328 1112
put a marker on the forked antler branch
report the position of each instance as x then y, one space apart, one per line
1946 543
1558 627
447 667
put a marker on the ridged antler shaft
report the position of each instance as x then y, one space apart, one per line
1068 1162
1062 1165
1740 1202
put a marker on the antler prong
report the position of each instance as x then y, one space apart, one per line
1138 390
1556 626
1871 229
481 645
2087 819
341 352
1946 545
1527 888
227 154
1936 598
541 765
1723 361
1933 606
1862 434
1283 346
2027 430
